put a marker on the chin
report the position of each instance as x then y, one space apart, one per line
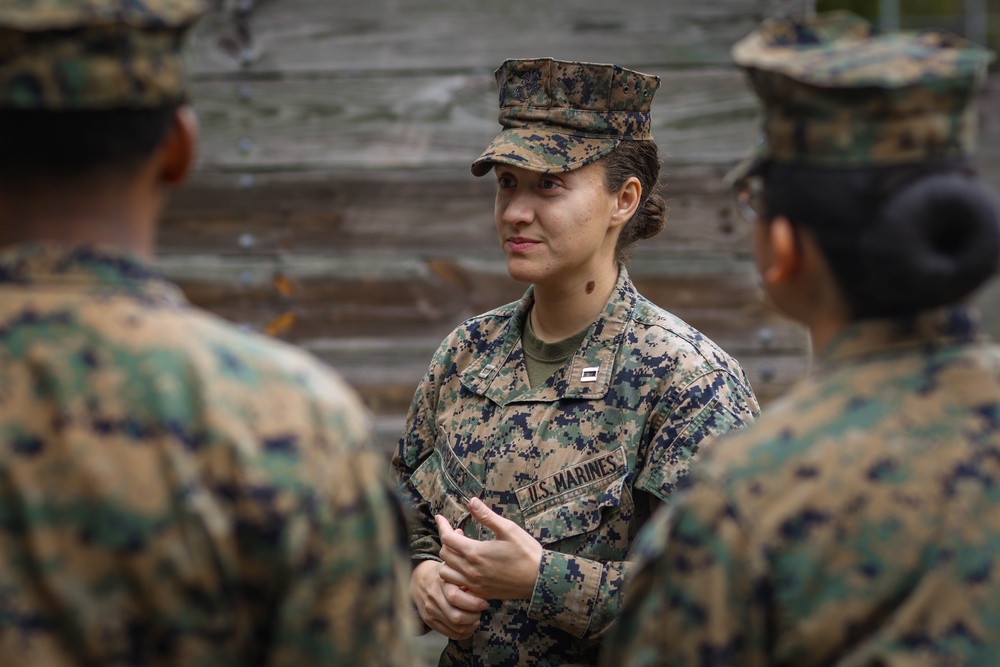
521 272
520 276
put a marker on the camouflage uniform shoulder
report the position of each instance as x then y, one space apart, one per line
705 353
496 315
486 330
757 451
270 360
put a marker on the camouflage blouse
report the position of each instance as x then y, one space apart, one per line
176 492
857 522
576 461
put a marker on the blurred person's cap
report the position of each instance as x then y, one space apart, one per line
836 93
93 54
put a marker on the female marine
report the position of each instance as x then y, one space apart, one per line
546 431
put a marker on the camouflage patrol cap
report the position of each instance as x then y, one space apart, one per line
837 94
92 54
559 115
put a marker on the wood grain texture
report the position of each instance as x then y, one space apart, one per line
423 213
333 206
322 39
384 122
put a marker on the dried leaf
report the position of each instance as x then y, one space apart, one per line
280 324
283 284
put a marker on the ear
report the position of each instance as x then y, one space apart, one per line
626 202
180 146
785 252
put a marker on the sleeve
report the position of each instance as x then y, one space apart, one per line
578 595
712 404
699 594
583 596
415 445
346 600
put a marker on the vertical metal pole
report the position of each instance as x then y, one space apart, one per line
976 20
888 14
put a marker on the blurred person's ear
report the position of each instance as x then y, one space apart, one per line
180 147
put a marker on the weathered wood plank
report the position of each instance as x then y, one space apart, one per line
350 297
988 153
379 320
443 122
333 202
426 214
317 37
439 122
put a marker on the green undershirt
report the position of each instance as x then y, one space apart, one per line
543 359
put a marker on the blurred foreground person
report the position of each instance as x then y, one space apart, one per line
173 491
858 521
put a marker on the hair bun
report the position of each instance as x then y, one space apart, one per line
935 242
652 218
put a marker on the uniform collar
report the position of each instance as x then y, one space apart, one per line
500 374
936 328
83 266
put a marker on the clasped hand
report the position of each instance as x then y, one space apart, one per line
450 595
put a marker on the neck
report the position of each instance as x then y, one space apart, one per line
814 298
825 319
563 310
95 211
821 336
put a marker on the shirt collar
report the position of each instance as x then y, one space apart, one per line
83 266
935 328
587 375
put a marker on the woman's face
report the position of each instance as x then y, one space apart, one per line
556 229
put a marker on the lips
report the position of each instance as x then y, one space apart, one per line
521 244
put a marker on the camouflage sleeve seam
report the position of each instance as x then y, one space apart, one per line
421 413
744 396
717 369
695 424
686 390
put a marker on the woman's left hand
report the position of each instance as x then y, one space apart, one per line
504 568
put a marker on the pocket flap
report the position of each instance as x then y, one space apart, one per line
446 485
571 501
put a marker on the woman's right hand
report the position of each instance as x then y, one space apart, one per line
444 607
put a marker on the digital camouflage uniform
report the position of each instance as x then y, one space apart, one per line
579 461
857 522
173 491
575 461
176 492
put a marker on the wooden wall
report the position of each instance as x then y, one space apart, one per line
333 205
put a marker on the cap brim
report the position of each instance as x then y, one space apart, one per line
542 150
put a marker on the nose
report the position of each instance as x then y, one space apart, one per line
514 208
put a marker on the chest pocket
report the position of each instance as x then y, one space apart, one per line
446 484
588 501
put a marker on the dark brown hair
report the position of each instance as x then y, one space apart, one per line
67 144
898 239
639 159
